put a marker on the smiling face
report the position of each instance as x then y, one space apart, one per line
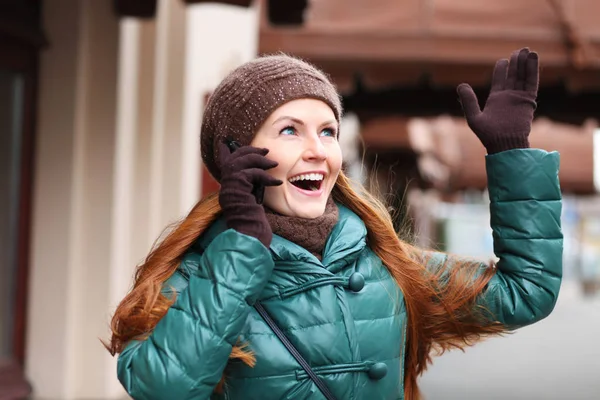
301 136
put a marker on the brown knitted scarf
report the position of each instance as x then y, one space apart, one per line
309 233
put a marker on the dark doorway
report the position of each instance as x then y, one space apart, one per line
21 39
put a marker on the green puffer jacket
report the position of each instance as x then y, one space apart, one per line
345 314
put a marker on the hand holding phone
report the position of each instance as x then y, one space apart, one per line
259 190
243 178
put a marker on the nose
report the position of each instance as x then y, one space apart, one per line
314 150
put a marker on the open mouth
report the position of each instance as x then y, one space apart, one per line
309 182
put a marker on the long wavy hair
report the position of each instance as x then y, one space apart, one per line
441 304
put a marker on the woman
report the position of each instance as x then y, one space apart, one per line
362 307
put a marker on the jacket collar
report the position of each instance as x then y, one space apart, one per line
346 241
344 244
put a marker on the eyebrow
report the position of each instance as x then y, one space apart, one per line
300 122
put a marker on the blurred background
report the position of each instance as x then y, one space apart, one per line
100 110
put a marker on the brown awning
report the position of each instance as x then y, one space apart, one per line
398 41
452 158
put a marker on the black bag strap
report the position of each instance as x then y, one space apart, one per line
294 352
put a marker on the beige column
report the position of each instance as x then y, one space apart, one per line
131 165
147 174
167 116
219 38
72 202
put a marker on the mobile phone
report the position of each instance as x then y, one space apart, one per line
259 190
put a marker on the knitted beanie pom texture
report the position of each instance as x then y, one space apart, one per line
248 95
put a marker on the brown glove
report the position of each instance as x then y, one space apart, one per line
505 121
241 171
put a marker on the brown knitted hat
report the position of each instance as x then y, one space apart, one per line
249 94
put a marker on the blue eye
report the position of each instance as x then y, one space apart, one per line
328 132
288 131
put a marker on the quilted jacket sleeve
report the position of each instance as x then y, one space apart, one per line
525 206
184 357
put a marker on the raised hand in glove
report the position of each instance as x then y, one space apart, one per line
505 121
241 171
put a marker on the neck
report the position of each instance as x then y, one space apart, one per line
310 233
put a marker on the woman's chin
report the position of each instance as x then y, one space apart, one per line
308 209
312 215
295 203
